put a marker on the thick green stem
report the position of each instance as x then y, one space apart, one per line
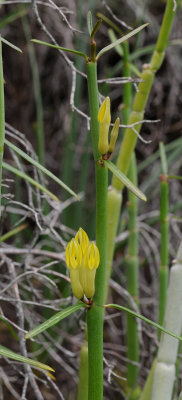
132 257
164 374
95 314
132 277
141 97
163 270
2 117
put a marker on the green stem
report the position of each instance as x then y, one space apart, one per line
141 97
37 92
83 373
164 374
132 278
132 257
2 117
163 270
95 314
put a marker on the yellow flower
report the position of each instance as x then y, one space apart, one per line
82 259
104 118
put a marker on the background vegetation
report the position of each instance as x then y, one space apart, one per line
46 109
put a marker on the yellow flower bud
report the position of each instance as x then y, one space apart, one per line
82 259
114 135
92 257
91 262
73 254
74 262
104 118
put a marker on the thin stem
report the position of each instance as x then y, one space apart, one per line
95 314
2 117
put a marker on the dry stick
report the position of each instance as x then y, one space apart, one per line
130 137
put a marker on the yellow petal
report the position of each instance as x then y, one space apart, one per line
73 254
82 238
92 257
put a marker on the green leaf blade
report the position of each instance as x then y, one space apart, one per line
89 22
18 357
123 178
148 321
120 40
78 53
55 319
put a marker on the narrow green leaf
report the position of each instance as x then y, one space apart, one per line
96 28
11 45
29 179
148 321
120 40
113 39
123 178
89 22
11 354
55 319
39 166
78 53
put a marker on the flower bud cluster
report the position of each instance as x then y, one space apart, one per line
82 259
104 118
